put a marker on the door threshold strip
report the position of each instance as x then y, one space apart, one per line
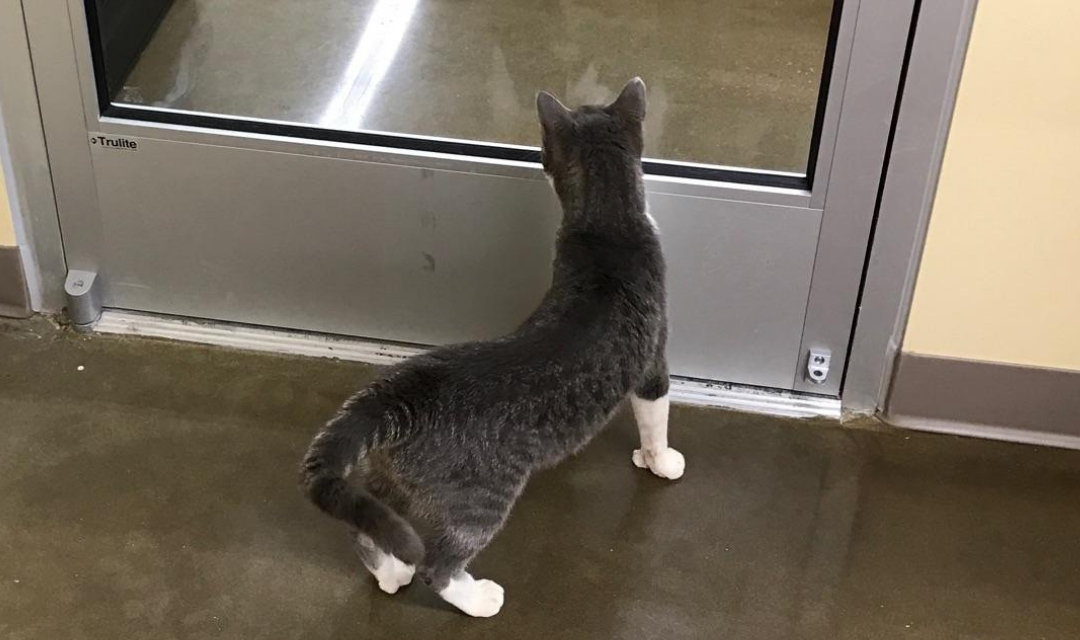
315 345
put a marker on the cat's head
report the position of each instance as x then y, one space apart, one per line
572 137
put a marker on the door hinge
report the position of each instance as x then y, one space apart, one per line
83 298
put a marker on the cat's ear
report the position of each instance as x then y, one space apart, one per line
631 101
553 115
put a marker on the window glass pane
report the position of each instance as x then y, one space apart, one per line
732 83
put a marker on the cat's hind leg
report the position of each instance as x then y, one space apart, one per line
389 571
444 571
651 406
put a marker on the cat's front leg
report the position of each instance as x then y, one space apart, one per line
651 406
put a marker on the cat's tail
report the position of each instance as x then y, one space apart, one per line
324 478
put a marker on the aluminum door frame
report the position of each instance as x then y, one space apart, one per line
26 166
924 115
865 76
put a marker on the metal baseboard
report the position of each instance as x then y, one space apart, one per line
997 400
985 432
237 336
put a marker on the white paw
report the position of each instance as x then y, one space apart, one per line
394 574
477 598
666 463
487 600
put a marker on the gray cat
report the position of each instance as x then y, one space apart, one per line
426 463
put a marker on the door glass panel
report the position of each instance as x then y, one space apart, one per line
733 83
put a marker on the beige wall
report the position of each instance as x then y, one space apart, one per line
7 232
1000 276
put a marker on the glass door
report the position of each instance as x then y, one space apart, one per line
733 86
370 167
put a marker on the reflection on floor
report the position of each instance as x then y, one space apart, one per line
148 490
732 83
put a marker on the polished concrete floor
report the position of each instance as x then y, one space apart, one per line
731 83
148 490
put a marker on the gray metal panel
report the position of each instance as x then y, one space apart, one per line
922 126
396 253
877 57
738 276
26 163
425 256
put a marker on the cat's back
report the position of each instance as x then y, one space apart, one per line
570 362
